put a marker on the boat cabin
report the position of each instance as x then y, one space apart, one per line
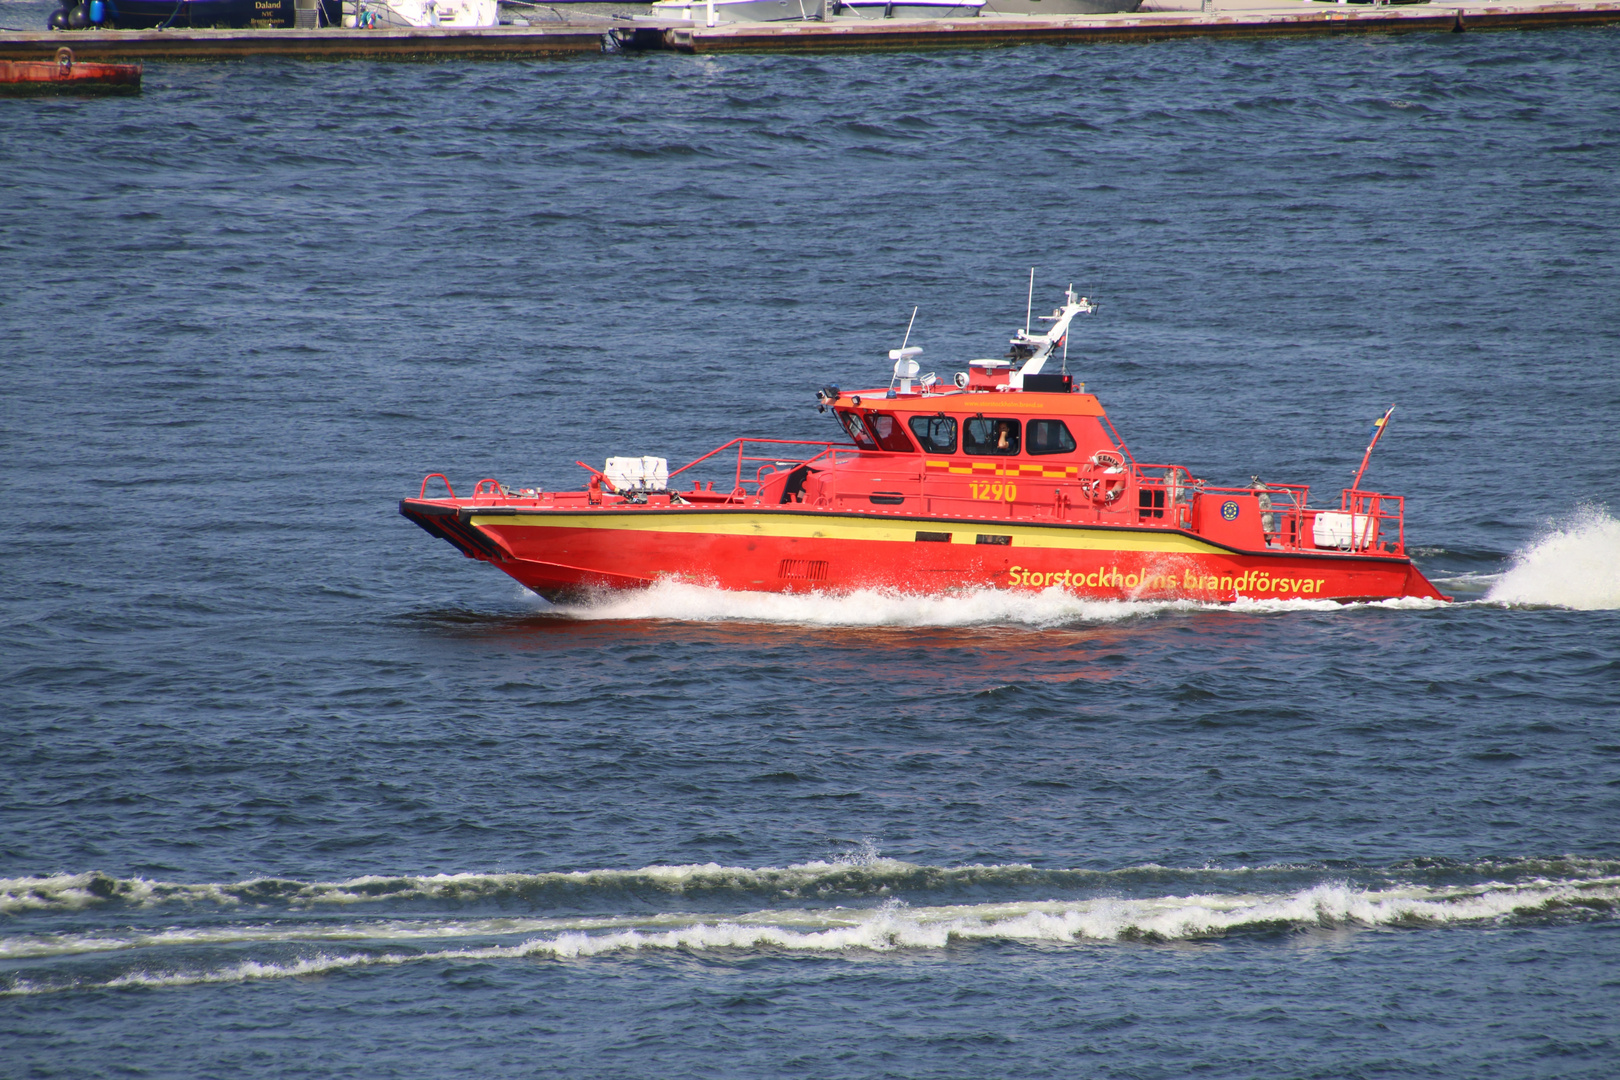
980 452
1019 444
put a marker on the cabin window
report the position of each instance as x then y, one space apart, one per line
857 431
1050 437
936 433
890 435
990 435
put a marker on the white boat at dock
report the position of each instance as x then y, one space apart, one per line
909 9
440 13
1059 7
713 12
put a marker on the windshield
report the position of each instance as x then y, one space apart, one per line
890 435
857 431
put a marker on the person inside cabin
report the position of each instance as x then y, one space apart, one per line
990 435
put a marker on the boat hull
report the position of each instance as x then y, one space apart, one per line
26 77
567 552
908 9
229 14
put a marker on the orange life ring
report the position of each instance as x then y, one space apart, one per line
1108 485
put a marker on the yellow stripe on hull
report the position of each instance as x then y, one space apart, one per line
840 527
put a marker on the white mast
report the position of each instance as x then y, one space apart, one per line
1042 345
905 360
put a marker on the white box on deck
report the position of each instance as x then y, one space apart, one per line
1347 532
637 473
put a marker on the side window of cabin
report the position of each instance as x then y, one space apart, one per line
990 435
1050 437
936 433
857 431
890 435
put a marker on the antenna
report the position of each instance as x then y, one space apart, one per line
1029 304
1066 334
905 360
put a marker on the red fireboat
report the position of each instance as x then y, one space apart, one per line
1006 477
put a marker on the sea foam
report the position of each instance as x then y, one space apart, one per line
1043 610
1574 563
886 928
860 876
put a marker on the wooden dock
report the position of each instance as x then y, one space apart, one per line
1246 18
493 43
1160 20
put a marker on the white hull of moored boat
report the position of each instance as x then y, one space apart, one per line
909 9
443 13
1059 7
741 10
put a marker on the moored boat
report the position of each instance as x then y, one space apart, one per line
217 14
1060 7
727 11
379 14
908 9
1008 476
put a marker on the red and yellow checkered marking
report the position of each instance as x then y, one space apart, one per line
1008 468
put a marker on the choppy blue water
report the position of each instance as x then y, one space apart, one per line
292 789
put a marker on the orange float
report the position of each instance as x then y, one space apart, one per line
64 76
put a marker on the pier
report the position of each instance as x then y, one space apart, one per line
331 43
1157 21
1171 19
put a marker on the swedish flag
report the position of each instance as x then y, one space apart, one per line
1378 424
1377 430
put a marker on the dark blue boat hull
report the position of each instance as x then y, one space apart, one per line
232 14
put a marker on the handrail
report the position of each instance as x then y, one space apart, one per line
1370 505
441 476
747 439
1119 443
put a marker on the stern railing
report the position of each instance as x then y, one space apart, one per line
1370 514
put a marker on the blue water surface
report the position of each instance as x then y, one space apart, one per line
293 789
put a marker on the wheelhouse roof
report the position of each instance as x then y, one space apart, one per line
971 402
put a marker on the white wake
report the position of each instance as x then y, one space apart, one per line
888 928
1574 564
1047 609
